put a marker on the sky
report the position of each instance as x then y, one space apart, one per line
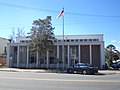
80 17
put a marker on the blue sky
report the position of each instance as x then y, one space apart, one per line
81 17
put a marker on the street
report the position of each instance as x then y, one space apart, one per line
57 81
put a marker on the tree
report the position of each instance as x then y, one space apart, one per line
12 36
42 36
111 54
20 32
111 47
116 55
110 51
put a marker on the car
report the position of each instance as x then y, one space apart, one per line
116 65
83 68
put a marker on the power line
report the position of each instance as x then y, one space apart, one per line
26 7
92 15
54 24
54 11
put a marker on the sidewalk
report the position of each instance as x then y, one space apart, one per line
109 71
22 70
49 71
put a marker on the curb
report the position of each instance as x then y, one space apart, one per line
100 72
109 72
21 70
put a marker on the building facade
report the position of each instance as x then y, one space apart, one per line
77 49
3 45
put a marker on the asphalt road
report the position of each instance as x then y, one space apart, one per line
57 81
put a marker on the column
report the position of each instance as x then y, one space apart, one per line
47 59
102 55
18 48
75 55
58 51
8 54
90 55
37 62
27 56
78 53
68 55
58 65
63 56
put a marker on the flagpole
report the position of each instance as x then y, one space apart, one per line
63 57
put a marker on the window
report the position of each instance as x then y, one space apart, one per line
90 40
52 60
95 39
81 40
59 40
22 54
68 40
85 39
22 41
72 40
27 41
76 40
55 40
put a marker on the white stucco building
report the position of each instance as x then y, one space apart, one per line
77 49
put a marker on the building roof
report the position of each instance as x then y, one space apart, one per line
86 36
3 38
66 37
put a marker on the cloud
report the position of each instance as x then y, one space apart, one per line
118 41
113 41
